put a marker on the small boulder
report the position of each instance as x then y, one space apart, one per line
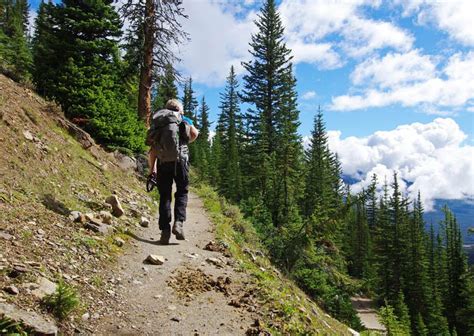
11 290
144 222
117 209
106 217
6 236
98 227
125 162
215 261
28 136
77 217
46 287
119 241
155 259
31 320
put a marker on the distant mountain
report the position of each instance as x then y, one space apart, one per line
464 211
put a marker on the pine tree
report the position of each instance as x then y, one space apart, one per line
166 88
189 101
77 64
459 284
160 23
15 56
203 147
230 136
317 174
268 75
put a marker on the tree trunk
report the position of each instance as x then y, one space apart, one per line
144 91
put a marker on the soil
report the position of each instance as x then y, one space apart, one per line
187 295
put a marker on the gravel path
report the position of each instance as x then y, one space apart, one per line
187 295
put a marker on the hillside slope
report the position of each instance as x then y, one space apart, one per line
45 174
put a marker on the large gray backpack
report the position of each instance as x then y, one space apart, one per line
164 135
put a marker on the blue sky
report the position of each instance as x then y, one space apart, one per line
395 80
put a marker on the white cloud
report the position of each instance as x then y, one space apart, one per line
364 36
308 95
218 40
429 158
410 84
394 69
454 17
309 24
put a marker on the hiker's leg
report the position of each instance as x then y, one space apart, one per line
181 195
165 183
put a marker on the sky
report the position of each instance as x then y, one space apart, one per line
395 81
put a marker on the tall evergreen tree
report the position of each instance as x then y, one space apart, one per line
203 147
267 85
160 23
15 55
81 38
166 88
230 134
189 101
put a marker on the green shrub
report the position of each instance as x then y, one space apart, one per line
11 328
63 301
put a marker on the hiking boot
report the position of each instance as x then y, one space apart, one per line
178 230
165 237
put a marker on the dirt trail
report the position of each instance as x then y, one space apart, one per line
187 295
367 314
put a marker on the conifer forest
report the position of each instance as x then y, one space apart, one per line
334 243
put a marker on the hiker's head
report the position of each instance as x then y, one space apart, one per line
174 105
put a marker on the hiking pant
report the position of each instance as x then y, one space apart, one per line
167 172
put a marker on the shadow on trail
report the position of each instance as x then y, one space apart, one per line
148 241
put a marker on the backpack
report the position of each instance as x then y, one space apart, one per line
164 135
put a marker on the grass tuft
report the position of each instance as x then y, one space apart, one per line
62 302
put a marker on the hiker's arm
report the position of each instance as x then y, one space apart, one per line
151 160
193 133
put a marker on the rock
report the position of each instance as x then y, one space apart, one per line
80 135
144 222
85 316
119 241
215 261
117 209
142 164
353 332
98 227
17 270
28 136
46 287
11 290
175 319
41 232
155 259
77 217
6 236
106 217
125 162
31 320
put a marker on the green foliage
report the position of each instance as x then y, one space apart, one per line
9 327
77 64
15 56
394 326
166 88
62 302
202 146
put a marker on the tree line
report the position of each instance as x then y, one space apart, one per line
333 243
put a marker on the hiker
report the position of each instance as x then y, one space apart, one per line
169 135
